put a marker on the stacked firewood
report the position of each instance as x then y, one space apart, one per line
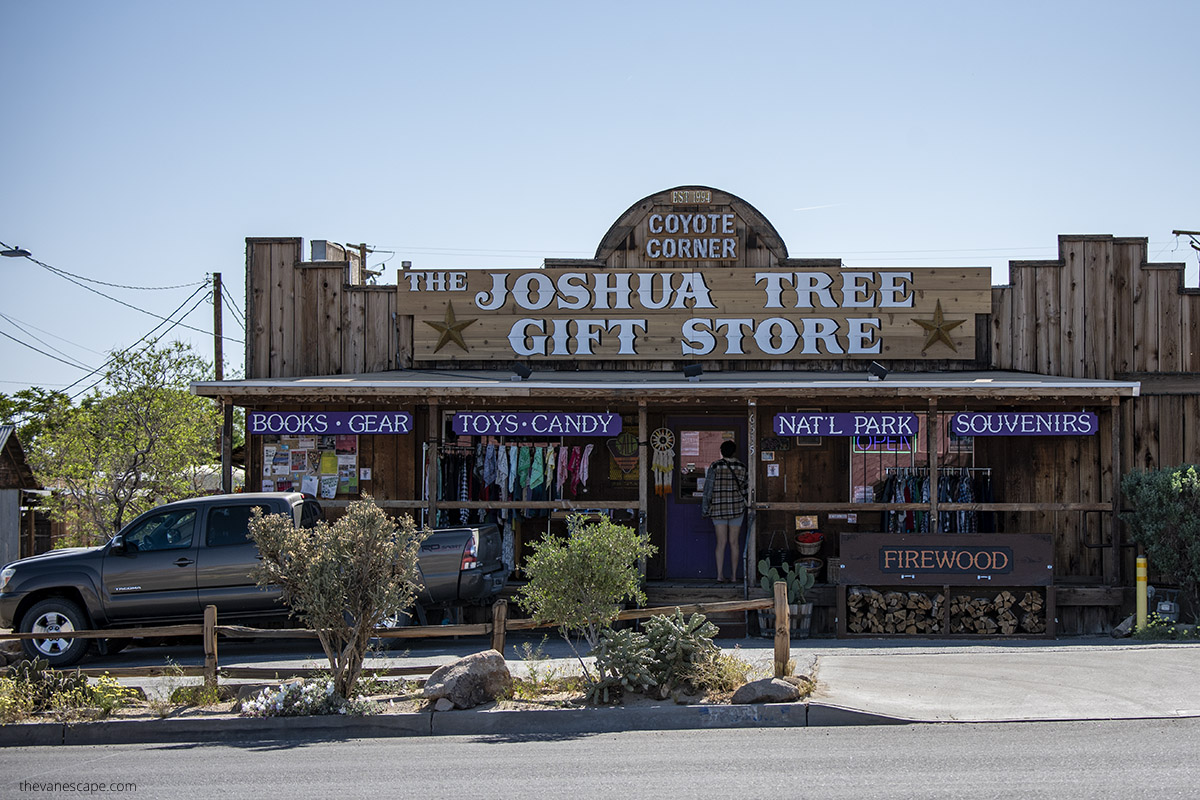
894 612
998 614
872 611
1034 618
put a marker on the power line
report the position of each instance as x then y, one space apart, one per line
68 277
126 350
135 344
63 272
53 335
23 330
43 352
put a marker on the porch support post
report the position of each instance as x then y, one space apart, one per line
931 440
227 447
751 546
1114 431
433 438
643 476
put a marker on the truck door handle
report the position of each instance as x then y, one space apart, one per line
183 561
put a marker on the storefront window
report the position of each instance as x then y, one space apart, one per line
698 449
876 457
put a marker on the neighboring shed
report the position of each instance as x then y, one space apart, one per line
15 477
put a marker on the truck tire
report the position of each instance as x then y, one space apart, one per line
51 616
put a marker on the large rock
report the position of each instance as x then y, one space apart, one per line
477 678
767 690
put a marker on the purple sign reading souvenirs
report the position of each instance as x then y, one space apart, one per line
812 423
328 422
1025 423
539 423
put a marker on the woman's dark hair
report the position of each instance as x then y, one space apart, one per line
728 448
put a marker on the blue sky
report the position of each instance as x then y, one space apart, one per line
144 141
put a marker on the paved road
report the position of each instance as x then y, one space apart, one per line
1028 760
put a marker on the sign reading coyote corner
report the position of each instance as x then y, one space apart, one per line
670 313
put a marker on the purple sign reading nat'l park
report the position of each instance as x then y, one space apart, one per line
813 423
538 423
1025 423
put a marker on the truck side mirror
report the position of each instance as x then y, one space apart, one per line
117 545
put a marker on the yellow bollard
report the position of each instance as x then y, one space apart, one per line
1141 592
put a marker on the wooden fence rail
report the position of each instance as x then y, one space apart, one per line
497 629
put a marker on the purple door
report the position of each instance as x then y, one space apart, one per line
690 541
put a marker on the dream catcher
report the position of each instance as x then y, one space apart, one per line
663 464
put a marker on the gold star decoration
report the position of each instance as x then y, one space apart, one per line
938 329
450 329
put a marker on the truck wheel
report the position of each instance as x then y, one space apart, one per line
51 616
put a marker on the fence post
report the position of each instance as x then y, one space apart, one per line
210 647
783 643
499 624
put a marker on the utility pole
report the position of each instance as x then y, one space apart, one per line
1192 235
226 440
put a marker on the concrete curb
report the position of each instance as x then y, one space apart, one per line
549 722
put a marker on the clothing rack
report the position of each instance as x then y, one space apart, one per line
943 470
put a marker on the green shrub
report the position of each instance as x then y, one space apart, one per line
15 702
579 582
718 671
1159 628
1166 523
33 688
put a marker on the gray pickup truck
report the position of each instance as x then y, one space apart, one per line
172 561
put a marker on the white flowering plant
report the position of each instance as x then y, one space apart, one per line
301 698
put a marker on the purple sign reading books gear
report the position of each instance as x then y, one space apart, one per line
1025 423
814 423
536 423
328 422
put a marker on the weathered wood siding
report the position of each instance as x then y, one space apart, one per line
306 318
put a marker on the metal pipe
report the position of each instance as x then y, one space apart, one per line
1141 592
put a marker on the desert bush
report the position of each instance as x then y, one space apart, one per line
579 582
342 579
32 687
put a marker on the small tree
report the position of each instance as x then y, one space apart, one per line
1166 522
580 582
342 579
128 446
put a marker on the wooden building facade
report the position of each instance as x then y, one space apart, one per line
914 402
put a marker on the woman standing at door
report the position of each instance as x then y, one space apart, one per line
724 503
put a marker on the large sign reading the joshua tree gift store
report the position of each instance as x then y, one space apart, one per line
695 282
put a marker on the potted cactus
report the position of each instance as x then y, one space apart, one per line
798 580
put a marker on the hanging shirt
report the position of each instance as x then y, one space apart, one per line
564 468
512 470
550 464
537 468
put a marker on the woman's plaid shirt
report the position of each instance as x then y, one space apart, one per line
725 489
